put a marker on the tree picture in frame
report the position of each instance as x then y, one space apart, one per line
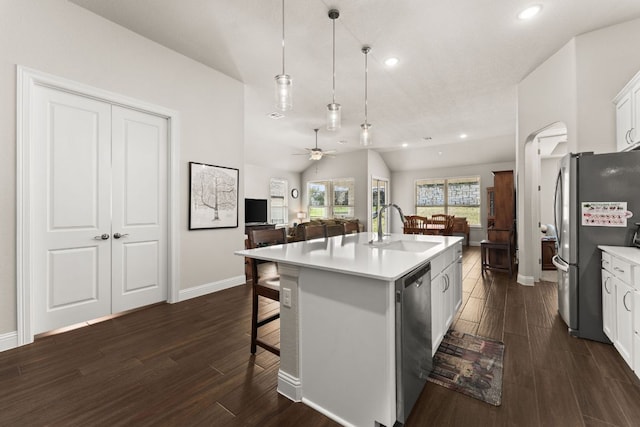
213 196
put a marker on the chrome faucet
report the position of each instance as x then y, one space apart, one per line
380 235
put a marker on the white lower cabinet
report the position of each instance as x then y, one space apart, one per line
621 301
608 305
624 320
437 312
636 332
446 292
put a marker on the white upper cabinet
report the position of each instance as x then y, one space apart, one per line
628 115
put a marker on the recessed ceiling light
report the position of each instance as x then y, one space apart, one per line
530 12
391 62
405 145
463 135
439 153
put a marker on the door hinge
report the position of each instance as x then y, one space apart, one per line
538 188
539 224
538 151
540 261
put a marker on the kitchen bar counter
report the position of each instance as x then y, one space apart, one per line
352 253
339 333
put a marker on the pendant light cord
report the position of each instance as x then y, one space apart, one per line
366 73
334 60
283 37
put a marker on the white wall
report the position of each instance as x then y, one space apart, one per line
63 39
256 186
403 190
546 96
347 165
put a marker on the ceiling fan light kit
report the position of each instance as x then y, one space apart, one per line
284 83
334 109
317 153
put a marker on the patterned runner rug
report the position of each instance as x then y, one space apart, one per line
470 365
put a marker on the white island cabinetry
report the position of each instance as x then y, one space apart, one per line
446 292
339 338
621 301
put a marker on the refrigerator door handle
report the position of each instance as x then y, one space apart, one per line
560 265
557 209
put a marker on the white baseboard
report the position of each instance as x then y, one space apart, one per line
525 280
208 288
289 386
331 415
8 341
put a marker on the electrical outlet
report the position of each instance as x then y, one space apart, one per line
286 297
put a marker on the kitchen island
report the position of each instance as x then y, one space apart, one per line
360 320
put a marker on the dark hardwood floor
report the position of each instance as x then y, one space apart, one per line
189 364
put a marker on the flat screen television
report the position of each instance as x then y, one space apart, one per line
255 211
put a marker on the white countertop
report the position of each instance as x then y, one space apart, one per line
628 253
352 254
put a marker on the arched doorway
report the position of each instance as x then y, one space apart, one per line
542 151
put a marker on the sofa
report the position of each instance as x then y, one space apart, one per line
296 233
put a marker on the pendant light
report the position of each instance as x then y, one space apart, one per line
333 109
284 83
365 132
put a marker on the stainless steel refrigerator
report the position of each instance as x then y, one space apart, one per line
590 210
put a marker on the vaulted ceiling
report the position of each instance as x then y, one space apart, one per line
459 66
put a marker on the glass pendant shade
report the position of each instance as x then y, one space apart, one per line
365 135
284 83
284 96
333 116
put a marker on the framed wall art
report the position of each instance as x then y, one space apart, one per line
213 196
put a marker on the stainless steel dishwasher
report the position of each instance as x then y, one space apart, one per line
413 338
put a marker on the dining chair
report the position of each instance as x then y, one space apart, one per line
265 283
336 230
314 232
351 227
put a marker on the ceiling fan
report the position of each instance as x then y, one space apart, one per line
317 153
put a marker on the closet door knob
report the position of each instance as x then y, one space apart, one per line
104 236
118 235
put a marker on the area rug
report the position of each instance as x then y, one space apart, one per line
470 365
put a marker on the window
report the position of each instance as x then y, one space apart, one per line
451 196
378 200
331 198
278 191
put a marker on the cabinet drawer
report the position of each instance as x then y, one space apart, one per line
621 269
439 263
606 261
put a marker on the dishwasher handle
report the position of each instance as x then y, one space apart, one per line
416 276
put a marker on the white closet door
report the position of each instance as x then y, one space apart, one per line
71 180
139 148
